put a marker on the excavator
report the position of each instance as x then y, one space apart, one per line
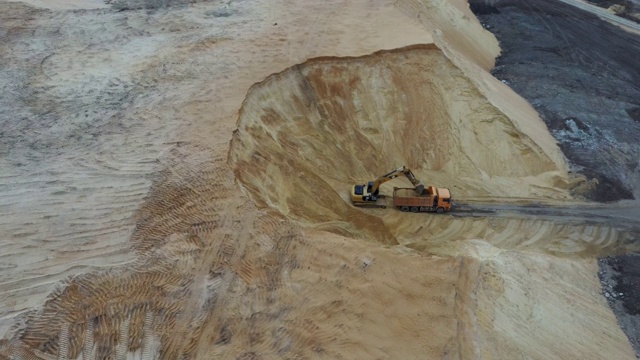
367 195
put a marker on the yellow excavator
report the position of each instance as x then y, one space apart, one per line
367 195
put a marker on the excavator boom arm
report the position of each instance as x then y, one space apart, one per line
392 175
409 174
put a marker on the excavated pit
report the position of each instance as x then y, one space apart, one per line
305 135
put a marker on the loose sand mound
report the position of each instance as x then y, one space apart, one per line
306 134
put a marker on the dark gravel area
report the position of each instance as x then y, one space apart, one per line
620 279
582 75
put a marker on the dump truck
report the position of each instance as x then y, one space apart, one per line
431 199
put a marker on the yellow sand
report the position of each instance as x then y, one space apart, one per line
246 246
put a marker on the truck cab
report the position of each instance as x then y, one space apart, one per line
443 198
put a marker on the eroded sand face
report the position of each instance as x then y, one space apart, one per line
213 272
410 106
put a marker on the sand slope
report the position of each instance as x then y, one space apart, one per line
94 99
410 106
118 145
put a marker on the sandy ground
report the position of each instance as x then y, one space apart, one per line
138 222
98 149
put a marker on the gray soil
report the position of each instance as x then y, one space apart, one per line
620 278
582 75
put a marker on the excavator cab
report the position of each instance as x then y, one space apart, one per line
365 193
363 189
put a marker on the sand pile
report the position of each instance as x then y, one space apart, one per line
413 106
308 133
221 259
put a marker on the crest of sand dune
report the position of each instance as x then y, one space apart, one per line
245 246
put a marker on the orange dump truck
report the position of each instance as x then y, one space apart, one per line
432 199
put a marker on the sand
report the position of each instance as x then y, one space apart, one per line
92 181
139 224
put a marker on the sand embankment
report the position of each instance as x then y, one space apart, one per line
228 256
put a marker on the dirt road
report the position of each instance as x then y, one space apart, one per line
623 216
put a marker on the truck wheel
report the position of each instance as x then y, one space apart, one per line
414 209
440 210
404 208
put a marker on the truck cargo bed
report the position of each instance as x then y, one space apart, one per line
408 200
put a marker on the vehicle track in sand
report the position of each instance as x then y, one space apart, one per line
213 269
92 98
621 216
